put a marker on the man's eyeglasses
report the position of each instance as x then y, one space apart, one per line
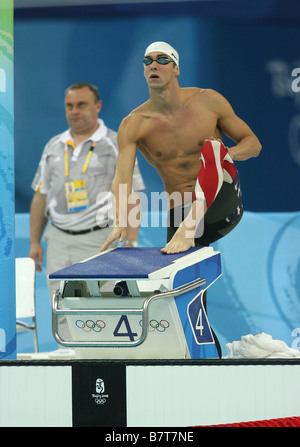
160 60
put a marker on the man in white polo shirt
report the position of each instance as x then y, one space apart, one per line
73 188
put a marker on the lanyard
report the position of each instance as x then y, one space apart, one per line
70 143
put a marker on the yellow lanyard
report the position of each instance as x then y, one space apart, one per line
88 157
70 143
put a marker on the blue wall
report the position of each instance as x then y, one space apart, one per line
244 50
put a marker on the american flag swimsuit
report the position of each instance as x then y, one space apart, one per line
218 182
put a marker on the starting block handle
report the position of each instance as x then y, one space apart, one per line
119 311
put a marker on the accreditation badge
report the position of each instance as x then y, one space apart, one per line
76 195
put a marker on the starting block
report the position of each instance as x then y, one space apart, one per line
137 303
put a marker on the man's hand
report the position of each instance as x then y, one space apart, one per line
36 253
116 233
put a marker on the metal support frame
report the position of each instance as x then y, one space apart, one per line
22 327
143 311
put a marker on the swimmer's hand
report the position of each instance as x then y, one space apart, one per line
217 139
116 233
179 242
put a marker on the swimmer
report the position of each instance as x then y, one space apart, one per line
179 132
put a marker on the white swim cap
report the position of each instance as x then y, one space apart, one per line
163 47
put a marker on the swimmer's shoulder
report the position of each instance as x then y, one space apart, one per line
209 98
210 95
135 119
132 124
202 93
201 96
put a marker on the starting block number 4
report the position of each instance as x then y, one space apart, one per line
198 321
129 332
199 324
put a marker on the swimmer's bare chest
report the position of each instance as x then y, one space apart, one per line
172 144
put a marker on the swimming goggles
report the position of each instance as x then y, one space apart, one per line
160 60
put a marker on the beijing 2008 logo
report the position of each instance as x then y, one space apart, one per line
99 396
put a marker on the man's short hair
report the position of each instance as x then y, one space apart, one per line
79 85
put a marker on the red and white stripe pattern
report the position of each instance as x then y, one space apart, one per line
217 167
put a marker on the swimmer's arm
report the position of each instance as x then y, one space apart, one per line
248 145
134 217
122 184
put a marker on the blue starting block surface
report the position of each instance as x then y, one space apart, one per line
121 263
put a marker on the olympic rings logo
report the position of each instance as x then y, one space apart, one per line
100 400
90 325
160 326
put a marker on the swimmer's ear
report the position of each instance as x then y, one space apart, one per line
177 72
